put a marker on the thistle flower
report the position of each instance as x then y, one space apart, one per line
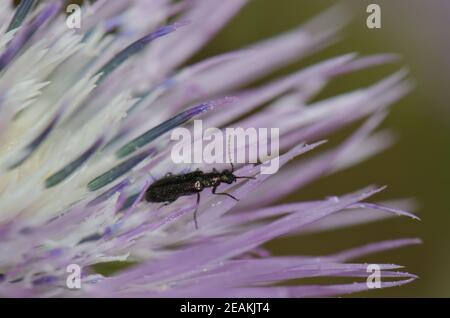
84 127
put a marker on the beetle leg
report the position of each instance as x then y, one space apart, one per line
224 193
196 209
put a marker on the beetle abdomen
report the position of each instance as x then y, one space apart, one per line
169 192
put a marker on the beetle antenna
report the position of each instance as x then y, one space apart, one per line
253 178
231 161
229 154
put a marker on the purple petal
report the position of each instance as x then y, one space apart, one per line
26 33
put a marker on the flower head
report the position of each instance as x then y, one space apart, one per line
85 116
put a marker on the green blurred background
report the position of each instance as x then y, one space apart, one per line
417 166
